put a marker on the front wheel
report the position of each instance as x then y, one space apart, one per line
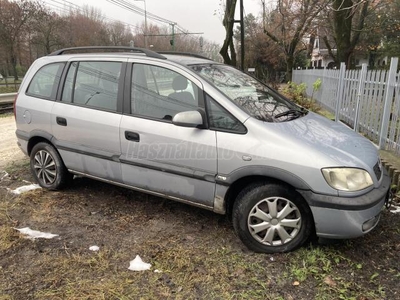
271 218
48 168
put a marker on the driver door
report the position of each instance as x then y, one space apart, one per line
158 156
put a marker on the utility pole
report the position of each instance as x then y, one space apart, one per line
241 21
201 42
145 23
172 41
173 34
242 35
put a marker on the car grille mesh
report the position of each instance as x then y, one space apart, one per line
378 170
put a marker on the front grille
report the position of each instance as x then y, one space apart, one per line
378 170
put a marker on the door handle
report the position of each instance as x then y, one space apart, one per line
61 121
132 136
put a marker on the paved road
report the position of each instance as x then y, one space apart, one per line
9 150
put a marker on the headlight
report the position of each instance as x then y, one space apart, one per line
347 179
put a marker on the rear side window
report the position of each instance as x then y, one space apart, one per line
45 82
93 84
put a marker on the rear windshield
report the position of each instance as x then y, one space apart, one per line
252 96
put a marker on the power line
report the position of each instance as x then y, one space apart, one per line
132 8
135 9
81 10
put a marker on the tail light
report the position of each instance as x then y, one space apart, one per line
15 107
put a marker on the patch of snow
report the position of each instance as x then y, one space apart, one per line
157 271
25 188
397 209
138 265
34 234
94 248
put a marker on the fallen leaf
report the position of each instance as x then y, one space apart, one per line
190 238
329 281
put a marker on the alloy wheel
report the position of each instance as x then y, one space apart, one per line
45 167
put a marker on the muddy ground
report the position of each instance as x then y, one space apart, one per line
196 251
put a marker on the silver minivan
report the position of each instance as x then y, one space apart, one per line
186 128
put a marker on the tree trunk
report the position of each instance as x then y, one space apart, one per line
343 19
310 46
233 53
344 27
289 67
228 22
13 60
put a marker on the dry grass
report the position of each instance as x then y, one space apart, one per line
196 251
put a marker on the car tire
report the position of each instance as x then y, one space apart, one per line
271 218
48 168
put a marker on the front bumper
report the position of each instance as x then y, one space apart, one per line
346 217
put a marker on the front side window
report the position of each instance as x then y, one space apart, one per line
45 81
161 93
93 84
221 119
252 96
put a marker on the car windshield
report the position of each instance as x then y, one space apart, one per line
252 96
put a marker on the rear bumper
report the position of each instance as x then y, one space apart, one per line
345 217
22 142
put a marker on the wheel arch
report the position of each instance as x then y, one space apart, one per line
37 137
245 176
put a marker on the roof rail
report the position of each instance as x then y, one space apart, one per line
147 52
184 54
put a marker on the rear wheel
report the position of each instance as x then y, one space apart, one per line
48 168
271 218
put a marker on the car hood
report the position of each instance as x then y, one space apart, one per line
335 140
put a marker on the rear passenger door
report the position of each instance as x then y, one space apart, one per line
87 115
157 155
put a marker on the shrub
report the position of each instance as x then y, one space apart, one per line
297 93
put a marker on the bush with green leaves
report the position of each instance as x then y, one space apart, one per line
297 93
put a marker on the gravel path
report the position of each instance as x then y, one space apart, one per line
9 150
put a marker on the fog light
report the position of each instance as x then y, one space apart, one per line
370 223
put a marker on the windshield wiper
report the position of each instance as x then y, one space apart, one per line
292 111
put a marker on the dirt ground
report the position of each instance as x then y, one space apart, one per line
9 150
195 252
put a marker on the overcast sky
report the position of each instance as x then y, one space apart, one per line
193 15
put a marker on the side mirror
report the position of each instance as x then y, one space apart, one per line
188 119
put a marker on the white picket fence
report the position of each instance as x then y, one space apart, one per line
367 101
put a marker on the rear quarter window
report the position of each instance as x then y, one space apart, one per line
45 82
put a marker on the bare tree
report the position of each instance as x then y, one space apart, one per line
85 28
120 35
47 30
348 23
290 23
262 53
14 17
228 22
